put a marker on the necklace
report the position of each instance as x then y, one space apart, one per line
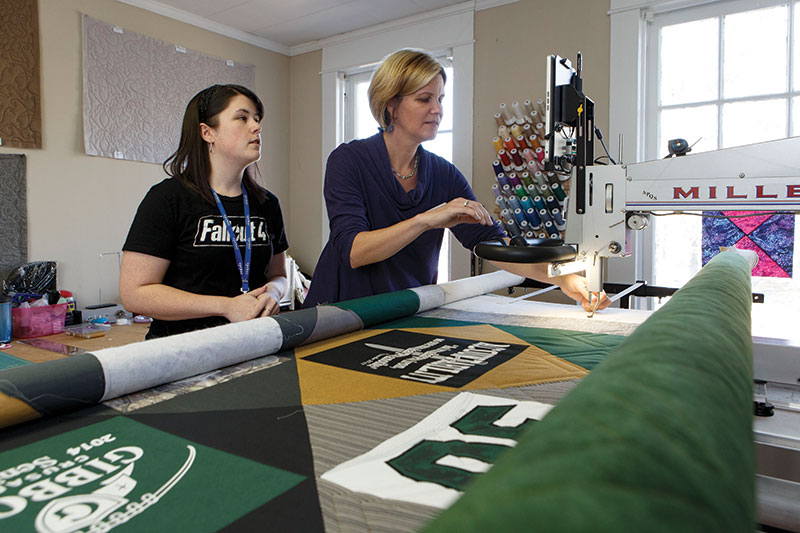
410 174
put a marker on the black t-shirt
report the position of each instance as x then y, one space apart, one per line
177 224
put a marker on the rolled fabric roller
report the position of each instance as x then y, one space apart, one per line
504 158
558 219
558 191
498 118
659 437
498 144
502 179
514 180
533 219
497 166
516 158
508 118
551 202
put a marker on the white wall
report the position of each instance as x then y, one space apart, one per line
81 206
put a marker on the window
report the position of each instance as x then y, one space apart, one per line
359 123
725 75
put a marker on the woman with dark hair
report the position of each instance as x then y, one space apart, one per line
207 245
389 199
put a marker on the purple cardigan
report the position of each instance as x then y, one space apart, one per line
361 194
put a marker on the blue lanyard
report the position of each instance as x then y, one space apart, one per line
244 268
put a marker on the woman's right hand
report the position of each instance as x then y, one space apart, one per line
248 305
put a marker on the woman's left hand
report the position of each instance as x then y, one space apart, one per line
576 288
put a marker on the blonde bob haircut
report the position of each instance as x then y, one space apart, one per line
401 73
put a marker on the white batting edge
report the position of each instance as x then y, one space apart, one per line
147 364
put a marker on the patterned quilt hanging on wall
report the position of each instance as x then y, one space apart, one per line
770 236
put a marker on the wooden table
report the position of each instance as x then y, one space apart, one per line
116 336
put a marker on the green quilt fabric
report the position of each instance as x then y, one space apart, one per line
657 438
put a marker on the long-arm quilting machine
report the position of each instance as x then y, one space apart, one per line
607 204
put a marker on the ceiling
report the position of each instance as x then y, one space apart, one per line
286 25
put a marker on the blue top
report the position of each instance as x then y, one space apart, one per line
362 194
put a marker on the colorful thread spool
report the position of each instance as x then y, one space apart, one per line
533 218
514 180
558 219
539 202
516 158
526 202
525 178
519 117
527 153
520 191
522 143
502 180
507 117
498 118
527 105
497 143
502 132
539 154
513 202
509 143
497 166
552 232
500 202
503 156
552 203
558 191
512 228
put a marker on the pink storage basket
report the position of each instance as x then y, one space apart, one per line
27 322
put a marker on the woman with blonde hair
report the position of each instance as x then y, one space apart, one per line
389 199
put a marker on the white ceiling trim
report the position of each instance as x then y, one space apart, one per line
206 24
470 5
